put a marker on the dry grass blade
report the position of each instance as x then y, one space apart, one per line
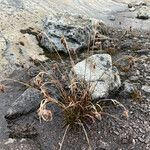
17 81
44 113
86 135
61 144
115 102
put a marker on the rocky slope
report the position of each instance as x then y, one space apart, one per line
20 47
18 14
130 51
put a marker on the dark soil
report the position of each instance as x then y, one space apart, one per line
112 132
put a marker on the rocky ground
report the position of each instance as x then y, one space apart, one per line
130 52
30 46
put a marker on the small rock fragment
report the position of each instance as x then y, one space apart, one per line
112 18
129 89
130 5
143 52
146 88
132 9
103 145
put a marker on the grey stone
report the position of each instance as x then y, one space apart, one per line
27 102
112 18
140 3
126 45
134 78
146 88
76 30
143 13
99 72
143 52
128 89
126 138
130 5
147 45
18 144
103 145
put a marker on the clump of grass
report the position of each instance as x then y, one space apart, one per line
76 103
136 95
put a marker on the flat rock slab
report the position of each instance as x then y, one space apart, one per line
27 102
21 144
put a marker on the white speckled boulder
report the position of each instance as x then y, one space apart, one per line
99 72
143 13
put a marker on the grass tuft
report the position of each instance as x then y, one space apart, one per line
76 103
2 88
136 95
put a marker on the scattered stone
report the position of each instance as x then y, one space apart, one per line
143 13
27 102
24 131
141 139
132 9
126 138
140 3
99 72
112 18
134 78
103 145
143 52
130 5
147 45
126 45
19 144
128 89
147 140
146 88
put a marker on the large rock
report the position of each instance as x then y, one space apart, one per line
27 102
21 144
144 13
99 72
77 31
